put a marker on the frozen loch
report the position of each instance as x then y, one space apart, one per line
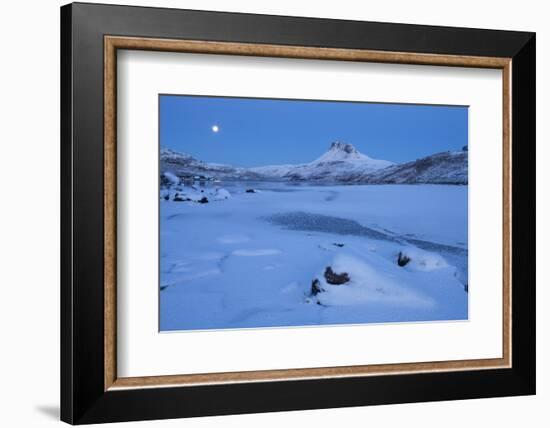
245 254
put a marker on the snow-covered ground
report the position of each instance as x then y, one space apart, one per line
249 259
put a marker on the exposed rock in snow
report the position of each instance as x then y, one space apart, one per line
335 278
180 198
402 259
366 284
421 260
192 194
316 287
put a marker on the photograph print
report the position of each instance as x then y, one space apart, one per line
294 213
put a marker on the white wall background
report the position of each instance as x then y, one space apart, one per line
29 213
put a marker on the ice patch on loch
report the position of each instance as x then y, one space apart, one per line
233 239
254 253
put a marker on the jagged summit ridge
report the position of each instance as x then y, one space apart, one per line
339 151
341 147
338 145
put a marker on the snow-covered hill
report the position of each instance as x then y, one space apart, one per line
341 163
440 168
336 164
186 166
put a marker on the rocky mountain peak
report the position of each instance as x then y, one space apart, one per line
343 147
342 152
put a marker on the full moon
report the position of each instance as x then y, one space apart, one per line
215 128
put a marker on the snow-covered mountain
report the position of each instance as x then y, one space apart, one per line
440 168
341 163
184 165
337 164
341 152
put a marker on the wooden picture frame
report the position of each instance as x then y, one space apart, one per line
91 390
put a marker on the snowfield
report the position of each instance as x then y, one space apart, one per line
251 254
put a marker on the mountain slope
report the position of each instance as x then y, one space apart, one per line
336 164
184 165
341 163
440 168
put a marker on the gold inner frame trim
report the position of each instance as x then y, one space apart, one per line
113 43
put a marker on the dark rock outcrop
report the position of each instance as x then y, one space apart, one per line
336 278
316 287
402 259
179 198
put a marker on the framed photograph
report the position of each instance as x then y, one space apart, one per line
265 213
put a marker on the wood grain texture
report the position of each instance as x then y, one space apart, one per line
112 43
110 222
507 212
301 52
298 374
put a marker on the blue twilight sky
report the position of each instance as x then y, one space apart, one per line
255 132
